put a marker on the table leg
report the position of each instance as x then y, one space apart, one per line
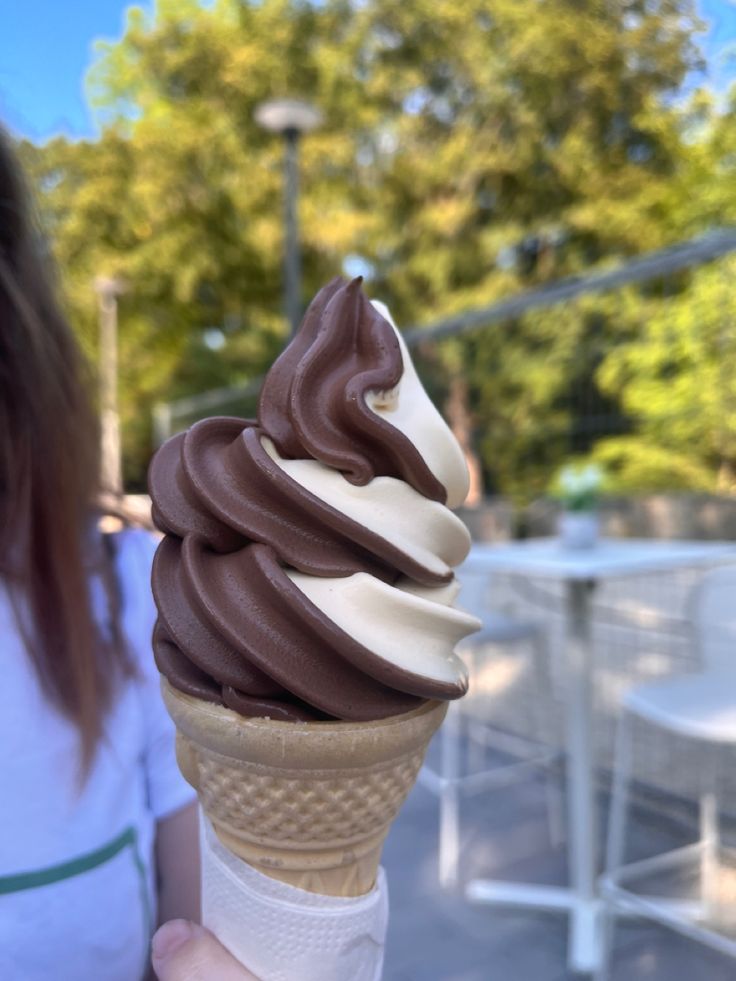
584 943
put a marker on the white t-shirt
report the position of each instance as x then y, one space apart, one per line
77 899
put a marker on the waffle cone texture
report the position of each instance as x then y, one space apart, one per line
308 803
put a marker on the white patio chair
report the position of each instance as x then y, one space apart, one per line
701 707
466 726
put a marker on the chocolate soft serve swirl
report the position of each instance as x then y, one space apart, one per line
306 568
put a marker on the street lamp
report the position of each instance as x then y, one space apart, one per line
290 118
108 290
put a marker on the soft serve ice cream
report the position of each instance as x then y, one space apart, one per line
307 566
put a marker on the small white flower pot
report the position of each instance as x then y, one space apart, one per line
578 529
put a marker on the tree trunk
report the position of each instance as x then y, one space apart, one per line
726 477
458 415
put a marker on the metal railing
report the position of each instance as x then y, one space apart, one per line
661 264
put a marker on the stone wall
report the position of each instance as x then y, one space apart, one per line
679 516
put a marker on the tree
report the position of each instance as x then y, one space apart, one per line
514 149
676 380
673 377
469 150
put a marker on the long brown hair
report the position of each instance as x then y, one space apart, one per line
48 477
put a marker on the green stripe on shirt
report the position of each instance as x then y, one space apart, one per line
67 870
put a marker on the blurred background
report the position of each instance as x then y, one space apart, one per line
465 153
544 194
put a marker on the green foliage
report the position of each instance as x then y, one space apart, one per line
634 463
676 379
469 150
578 486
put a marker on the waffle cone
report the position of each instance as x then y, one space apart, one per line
309 803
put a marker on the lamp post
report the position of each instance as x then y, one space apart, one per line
108 290
290 118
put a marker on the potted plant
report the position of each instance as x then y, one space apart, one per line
578 489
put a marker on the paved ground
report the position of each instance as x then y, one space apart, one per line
439 937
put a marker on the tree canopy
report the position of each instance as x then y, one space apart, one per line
468 151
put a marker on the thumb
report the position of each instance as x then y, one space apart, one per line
184 951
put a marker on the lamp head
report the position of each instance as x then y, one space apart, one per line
288 116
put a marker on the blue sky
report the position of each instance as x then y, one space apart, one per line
46 47
720 43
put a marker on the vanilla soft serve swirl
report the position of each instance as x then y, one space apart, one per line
306 568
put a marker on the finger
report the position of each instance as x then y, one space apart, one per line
184 951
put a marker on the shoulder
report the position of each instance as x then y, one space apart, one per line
134 549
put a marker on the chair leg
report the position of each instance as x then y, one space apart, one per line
449 836
616 840
545 728
476 746
710 845
475 750
615 845
607 929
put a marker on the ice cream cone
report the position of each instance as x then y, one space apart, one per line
307 803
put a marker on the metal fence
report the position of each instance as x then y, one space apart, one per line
580 414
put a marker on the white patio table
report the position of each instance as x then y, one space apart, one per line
580 570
